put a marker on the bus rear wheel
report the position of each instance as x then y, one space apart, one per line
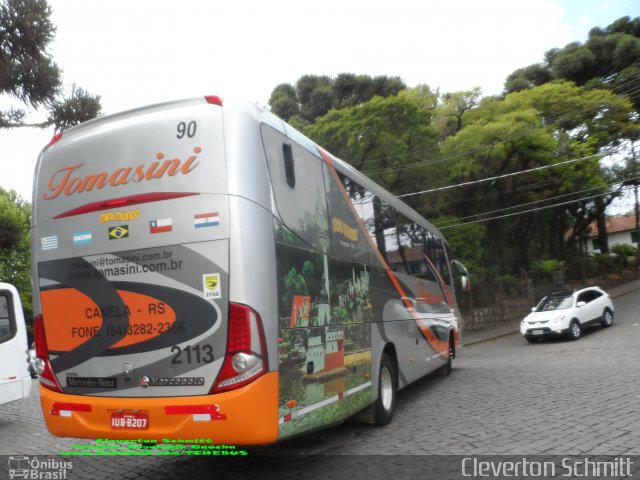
387 387
445 369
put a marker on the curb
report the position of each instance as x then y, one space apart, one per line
493 337
625 293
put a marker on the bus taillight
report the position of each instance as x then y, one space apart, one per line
42 363
246 357
54 139
214 100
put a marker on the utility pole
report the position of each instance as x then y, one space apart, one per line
635 189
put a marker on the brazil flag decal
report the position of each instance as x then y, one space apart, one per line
116 233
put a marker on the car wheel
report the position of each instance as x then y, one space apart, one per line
387 386
574 330
531 339
607 318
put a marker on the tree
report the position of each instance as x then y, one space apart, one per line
315 95
10 221
450 109
385 138
556 123
29 75
15 259
466 242
609 59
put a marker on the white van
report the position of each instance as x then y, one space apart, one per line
15 380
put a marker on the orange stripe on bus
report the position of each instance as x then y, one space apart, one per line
71 318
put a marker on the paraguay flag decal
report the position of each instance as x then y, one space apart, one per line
203 220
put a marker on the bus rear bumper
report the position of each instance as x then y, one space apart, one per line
246 416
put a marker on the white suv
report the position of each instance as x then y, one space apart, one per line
567 312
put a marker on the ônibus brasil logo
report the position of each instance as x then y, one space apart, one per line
33 468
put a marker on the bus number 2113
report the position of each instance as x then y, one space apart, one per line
193 353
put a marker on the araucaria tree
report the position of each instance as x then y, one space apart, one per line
29 77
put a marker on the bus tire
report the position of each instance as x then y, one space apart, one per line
387 387
445 369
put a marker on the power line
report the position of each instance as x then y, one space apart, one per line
531 210
554 181
507 175
532 203
520 205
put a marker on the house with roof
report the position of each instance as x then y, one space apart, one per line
413 260
621 229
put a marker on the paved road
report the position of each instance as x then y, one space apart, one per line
504 397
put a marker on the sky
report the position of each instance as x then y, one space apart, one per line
137 53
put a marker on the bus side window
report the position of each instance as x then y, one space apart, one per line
299 194
423 255
376 215
346 213
7 325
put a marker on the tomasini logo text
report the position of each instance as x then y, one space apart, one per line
67 180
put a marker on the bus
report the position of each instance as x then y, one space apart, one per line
204 271
15 379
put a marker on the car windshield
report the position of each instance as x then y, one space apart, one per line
555 302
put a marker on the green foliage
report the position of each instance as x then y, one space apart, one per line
610 59
528 77
315 95
339 315
29 74
379 137
10 221
450 108
623 252
15 259
294 284
466 242
525 131
79 107
284 101
603 263
544 269
307 269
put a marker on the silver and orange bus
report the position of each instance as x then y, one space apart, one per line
203 270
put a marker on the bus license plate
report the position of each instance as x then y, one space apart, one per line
130 421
